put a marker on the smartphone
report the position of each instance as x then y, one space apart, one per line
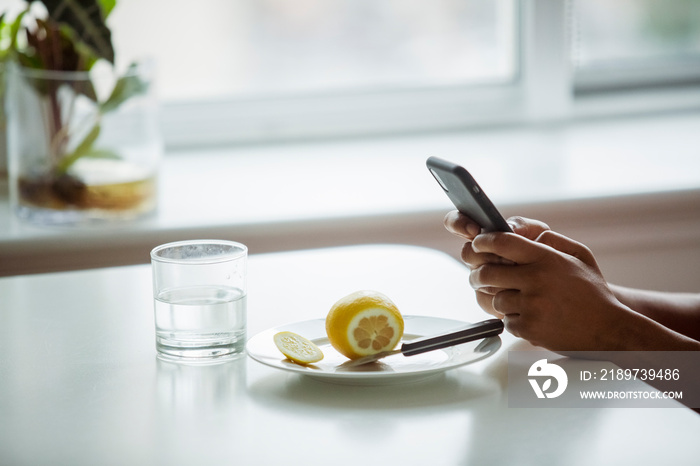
466 194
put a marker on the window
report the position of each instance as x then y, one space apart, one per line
277 48
261 70
249 70
628 44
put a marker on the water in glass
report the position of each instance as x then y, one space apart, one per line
200 321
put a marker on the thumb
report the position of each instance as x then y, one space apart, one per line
527 227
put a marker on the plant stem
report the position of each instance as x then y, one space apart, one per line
55 125
83 148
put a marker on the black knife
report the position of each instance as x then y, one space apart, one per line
477 331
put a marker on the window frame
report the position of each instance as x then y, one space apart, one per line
343 114
544 90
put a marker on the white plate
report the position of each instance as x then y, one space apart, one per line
390 370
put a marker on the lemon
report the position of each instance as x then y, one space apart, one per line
364 323
297 348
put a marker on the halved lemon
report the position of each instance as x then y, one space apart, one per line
364 323
297 348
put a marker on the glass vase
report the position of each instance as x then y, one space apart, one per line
83 147
3 135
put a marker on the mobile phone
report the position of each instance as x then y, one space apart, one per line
466 194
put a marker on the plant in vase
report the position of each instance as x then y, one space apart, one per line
82 138
8 37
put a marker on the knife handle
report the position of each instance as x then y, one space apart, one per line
477 331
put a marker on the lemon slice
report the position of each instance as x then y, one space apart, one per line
364 323
297 348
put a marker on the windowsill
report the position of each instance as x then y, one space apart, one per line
285 193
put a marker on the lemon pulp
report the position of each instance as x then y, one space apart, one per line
297 348
363 323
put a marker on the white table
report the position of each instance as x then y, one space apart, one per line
80 382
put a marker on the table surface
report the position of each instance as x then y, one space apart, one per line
80 382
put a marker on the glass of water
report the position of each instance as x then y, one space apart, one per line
199 288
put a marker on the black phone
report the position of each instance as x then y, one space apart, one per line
466 194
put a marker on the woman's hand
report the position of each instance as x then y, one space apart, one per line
549 290
464 227
552 292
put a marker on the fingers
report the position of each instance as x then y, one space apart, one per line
492 278
521 250
461 225
527 227
568 246
507 302
474 259
509 246
490 290
485 301
513 324
522 324
495 307
505 305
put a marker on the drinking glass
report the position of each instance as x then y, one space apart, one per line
199 288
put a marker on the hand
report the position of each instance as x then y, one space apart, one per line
461 225
552 294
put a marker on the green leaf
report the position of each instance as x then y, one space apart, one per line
51 49
15 28
86 18
102 154
29 61
3 34
84 148
107 7
126 87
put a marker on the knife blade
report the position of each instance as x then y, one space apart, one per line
477 331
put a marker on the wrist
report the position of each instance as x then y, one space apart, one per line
637 332
624 329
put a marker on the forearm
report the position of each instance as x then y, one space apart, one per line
641 333
677 311
650 345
